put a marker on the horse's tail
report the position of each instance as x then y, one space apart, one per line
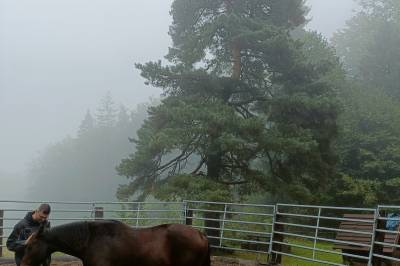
207 261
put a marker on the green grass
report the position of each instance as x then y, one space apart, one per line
7 253
291 261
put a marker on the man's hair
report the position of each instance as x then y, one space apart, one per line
44 208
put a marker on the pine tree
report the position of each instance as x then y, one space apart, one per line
106 115
123 117
87 124
242 99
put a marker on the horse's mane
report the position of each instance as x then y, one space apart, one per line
75 228
76 236
70 235
81 230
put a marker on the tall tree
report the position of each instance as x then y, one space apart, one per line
87 124
242 99
369 45
123 117
106 114
369 147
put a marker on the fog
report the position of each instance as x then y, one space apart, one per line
58 58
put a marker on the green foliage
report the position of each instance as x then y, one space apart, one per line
181 187
369 145
360 192
367 192
369 45
245 104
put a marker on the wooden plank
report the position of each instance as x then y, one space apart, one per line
361 226
356 224
353 234
349 247
391 238
361 216
354 239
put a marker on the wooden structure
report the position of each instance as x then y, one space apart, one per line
360 238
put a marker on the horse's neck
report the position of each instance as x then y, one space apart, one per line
72 243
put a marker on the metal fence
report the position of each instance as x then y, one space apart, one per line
229 226
233 226
313 230
323 234
387 241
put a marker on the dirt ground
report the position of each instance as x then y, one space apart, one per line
57 263
215 262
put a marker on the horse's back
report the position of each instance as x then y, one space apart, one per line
178 244
169 245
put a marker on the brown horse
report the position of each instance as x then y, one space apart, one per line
112 243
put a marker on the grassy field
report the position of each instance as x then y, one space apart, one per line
287 260
291 261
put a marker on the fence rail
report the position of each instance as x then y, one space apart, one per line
322 234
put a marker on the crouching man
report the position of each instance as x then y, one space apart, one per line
24 228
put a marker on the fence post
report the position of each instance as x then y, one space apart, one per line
137 214
98 213
380 237
223 226
316 232
188 215
212 224
274 257
1 232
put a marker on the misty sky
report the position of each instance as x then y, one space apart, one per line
59 57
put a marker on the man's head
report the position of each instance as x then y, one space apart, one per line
41 213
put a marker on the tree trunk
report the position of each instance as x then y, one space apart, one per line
213 219
237 64
236 57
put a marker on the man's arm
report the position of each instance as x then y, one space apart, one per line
13 242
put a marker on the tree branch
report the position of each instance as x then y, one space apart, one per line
178 158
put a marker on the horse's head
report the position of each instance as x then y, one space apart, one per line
36 249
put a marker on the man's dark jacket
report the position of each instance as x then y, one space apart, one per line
22 230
